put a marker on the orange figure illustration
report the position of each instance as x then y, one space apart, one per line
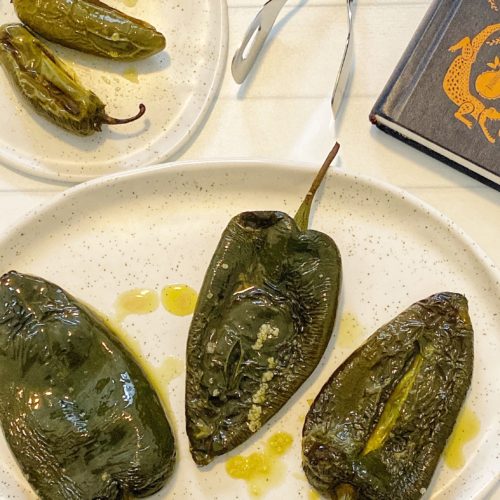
456 82
488 82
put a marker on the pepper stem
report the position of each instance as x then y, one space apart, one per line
345 491
118 121
302 215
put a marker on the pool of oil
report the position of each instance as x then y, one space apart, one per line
179 299
136 301
466 429
131 74
262 470
314 495
170 368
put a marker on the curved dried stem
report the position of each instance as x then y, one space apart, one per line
109 120
302 215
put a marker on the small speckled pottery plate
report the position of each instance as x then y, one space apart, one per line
158 226
177 86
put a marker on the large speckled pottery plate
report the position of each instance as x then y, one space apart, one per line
159 225
177 86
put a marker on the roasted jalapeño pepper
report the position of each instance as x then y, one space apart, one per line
76 409
264 317
91 26
378 426
49 85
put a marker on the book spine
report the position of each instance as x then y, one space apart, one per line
406 74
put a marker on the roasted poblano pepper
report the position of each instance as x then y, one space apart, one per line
91 26
378 427
264 317
50 86
76 409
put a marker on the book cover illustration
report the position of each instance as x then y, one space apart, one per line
456 82
444 95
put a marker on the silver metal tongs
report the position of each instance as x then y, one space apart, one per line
254 39
345 65
257 34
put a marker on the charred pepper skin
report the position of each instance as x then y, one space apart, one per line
264 317
91 26
76 409
49 85
378 426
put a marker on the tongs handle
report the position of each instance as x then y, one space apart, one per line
254 39
345 65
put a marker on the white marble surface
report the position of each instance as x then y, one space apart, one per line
282 112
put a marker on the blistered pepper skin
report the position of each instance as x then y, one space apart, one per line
378 426
76 409
49 85
91 26
264 317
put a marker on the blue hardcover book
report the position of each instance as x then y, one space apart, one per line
444 95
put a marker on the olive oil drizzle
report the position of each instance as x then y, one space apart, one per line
131 75
179 299
314 495
261 470
136 301
465 430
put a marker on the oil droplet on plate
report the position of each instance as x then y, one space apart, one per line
130 3
171 368
350 331
161 376
466 428
136 301
262 470
314 495
179 299
131 75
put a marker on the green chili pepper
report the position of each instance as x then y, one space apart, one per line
379 425
91 26
76 409
264 317
50 86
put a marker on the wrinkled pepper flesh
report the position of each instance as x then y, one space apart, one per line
378 426
50 86
264 316
91 26
76 409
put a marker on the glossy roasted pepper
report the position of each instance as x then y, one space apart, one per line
91 26
378 426
50 86
76 409
264 317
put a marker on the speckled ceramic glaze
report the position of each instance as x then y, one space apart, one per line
177 86
158 226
